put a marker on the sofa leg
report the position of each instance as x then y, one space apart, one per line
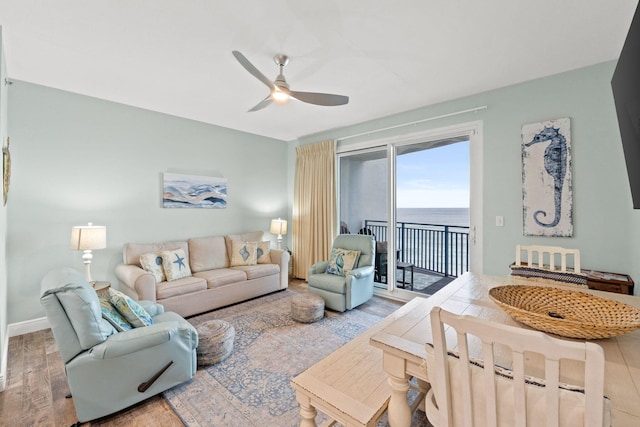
145 385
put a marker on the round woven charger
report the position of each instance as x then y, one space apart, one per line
566 313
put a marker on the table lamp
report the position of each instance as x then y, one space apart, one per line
279 227
86 238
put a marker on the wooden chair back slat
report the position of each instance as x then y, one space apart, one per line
528 349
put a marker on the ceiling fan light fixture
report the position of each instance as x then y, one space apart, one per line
280 97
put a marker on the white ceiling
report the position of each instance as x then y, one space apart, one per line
388 57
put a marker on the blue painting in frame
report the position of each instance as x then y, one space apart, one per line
194 191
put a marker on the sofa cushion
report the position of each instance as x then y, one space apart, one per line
207 253
263 252
81 306
152 262
258 270
221 276
255 236
133 251
175 264
329 282
179 287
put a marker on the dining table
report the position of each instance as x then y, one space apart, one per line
404 338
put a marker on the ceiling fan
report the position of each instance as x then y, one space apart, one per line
280 92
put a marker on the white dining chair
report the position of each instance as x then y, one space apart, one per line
491 374
549 264
553 258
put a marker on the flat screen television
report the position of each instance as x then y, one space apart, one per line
625 85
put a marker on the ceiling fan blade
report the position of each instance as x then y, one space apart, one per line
262 104
253 70
325 99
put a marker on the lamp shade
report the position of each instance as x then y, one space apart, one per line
278 226
88 237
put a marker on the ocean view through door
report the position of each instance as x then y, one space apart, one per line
428 184
432 213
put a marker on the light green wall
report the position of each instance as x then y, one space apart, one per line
78 159
606 229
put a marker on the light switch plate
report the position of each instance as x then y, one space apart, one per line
499 221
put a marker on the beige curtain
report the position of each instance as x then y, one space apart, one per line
314 205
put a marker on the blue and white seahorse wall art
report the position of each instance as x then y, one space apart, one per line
547 192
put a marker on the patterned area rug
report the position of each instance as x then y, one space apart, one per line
251 387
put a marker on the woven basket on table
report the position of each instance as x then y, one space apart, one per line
567 313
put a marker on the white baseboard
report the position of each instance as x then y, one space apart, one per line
15 329
27 326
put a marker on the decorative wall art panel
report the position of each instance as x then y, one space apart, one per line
194 191
547 192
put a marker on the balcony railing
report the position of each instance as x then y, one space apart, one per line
437 248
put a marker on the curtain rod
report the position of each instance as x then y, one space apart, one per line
470 110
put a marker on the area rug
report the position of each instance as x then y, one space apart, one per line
251 387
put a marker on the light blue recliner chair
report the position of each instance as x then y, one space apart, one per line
108 370
342 293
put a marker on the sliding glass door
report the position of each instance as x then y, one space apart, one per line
420 197
432 213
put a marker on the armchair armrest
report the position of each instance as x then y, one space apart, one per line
318 267
281 258
361 272
139 284
138 339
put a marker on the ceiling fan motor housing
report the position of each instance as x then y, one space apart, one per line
281 60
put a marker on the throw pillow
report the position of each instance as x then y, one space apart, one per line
135 314
111 315
152 263
342 261
263 252
176 265
243 253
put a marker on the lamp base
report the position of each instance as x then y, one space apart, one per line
87 256
279 241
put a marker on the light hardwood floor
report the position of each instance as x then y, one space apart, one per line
37 386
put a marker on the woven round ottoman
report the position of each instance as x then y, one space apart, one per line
215 341
307 308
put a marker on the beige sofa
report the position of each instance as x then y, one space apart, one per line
214 281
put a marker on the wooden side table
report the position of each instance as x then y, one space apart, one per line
610 282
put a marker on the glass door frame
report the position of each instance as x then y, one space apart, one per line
473 131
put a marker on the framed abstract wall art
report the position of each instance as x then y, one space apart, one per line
194 191
547 192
